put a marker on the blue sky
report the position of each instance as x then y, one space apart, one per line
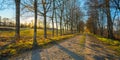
10 13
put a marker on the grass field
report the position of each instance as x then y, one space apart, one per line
7 36
26 40
23 32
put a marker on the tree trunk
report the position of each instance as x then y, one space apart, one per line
17 33
35 24
61 22
60 26
45 28
52 27
67 26
53 19
109 20
56 24
0 20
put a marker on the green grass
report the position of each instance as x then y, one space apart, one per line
24 45
26 32
82 40
108 41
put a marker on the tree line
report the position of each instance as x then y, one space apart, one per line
104 17
65 15
7 22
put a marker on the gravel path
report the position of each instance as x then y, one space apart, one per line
95 50
69 49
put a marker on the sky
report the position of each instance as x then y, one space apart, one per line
10 13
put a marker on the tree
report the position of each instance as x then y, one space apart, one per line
35 24
46 5
90 25
93 14
117 4
56 23
62 11
109 20
17 34
60 14
101 22
53 12
0 20
5 20
80 26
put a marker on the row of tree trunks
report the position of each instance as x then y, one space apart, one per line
45 5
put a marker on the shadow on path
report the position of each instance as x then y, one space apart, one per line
35 51
3 58
36 55
97 50
72 54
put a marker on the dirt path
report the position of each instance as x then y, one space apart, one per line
71 49
95 50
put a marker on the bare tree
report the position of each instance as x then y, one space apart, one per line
53 12
109 20
17 34
0 20
46 5
117 4
35 24
56 23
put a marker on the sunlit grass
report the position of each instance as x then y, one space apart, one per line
25 32
7 33
25 44
108 41
82 40
26 41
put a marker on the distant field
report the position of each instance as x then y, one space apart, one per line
24 32
7 34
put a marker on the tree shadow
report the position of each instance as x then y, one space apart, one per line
3 58
36 54
104 53
36 51
99 57
70 53
109 57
